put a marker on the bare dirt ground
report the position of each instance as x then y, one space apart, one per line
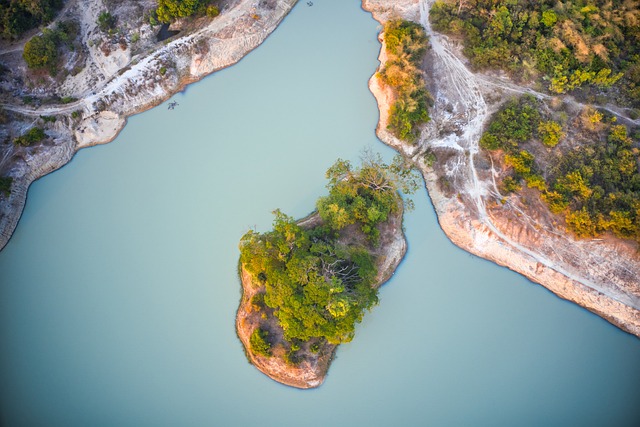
599 274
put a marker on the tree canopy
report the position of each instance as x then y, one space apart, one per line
595 186
169 10
569 43
406 44
317 286
18 16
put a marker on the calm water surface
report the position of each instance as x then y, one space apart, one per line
119 289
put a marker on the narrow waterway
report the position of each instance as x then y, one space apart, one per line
118 290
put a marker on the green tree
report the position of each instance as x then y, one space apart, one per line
41 51
168 10
550 132
259 342
106 21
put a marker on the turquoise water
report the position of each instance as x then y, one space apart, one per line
118 290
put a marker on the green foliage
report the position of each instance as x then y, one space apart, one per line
365 195
550 132
317 287
106 21
259 342
603 180
213 11
406 44
48 119
169 10
536 181
513 124
567 43
32 136
510 185
521 162
19 16
41 52
581 223
5 185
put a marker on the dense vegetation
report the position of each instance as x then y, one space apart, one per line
366 195
596 186
169 10
18 16
406 44
43 51
570 43
317 286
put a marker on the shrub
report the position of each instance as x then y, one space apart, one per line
406 44
106 21
48 119
41 52
259 343
168 10
550 133
212 11
510 185
18 16
32 136
581 223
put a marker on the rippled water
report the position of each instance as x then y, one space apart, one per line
118 290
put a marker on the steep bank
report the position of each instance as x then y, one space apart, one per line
312 369
600 275
116 85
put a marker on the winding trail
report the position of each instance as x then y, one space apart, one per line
460 84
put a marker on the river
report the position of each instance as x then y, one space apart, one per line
119 288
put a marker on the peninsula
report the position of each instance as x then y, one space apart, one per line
467 183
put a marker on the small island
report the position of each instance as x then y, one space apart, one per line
306 283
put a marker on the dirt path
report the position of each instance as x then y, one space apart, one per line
461 88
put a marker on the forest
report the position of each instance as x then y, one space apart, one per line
316 284
19 16
406 45
594 185
565 44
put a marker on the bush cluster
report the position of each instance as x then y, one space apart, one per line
406 44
